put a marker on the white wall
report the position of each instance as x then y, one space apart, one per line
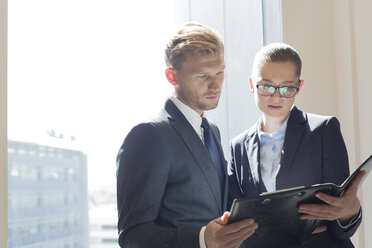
333 38
3 126
362 40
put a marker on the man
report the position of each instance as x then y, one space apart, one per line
288 147
171 177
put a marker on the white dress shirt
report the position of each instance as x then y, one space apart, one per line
191 115
271 149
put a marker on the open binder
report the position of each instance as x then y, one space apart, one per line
277 212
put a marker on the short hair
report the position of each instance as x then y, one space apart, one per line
276 53
192 38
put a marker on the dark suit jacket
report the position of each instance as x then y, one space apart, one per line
313 152
167 186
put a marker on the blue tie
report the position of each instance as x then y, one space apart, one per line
211 145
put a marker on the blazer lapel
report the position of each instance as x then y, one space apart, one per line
197 148
252 146
295 131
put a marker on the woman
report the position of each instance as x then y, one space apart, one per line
288 147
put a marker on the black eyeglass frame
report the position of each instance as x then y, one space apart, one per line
278 89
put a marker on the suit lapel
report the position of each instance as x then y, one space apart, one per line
197 148
295 131
224 166
252 146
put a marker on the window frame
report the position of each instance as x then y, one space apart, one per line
3 125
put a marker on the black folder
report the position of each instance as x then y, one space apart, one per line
279 223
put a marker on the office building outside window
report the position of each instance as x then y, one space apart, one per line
47 199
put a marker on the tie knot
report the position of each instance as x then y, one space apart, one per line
205 124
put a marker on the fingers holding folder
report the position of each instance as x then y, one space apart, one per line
344 208
220 234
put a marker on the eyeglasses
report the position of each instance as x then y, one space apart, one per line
269 90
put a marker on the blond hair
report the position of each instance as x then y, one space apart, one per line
191 39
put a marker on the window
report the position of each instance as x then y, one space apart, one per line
79 73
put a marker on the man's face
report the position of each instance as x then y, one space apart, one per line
277 75
199 81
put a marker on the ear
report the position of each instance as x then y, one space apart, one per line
251 86
299 88
171 76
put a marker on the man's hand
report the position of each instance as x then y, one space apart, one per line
219 234
319 229
344 208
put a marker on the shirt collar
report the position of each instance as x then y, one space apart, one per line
277 134
191 115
